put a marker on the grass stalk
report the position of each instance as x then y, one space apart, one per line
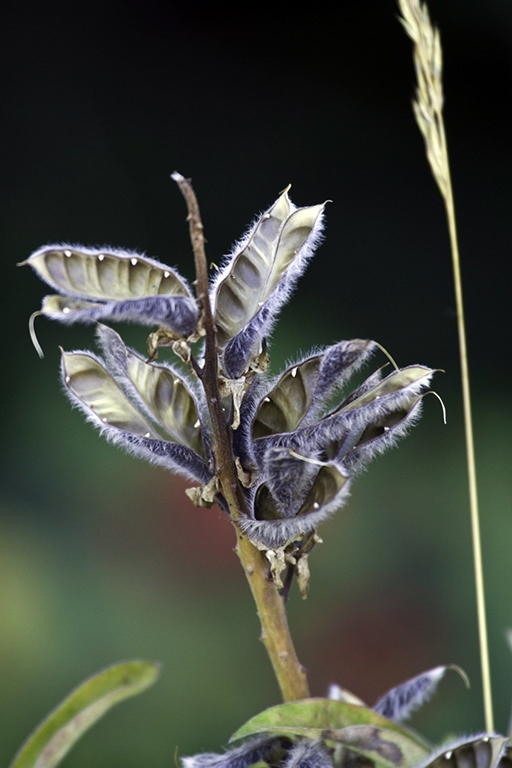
428 111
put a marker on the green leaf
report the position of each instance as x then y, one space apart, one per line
313 717
386 748
87 380
257 269
105 275
55 736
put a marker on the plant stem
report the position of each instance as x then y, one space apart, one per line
470 453
290 674
428 110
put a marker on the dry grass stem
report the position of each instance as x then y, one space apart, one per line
428 111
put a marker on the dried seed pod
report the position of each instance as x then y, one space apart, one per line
258 280
162 390
104 275
477 752
327 494
304 388
400 702
360 427
92 388
105 283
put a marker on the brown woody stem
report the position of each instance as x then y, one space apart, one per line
290 674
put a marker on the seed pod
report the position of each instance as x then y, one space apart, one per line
480 751
304 388
116 284
91 387
163 392
256 283
384 410
327 494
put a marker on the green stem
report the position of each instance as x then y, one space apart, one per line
290 674
470 453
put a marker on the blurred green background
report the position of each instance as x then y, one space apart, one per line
102 558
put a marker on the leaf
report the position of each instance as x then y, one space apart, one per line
483 751
55 736
314 717
105 275
338 693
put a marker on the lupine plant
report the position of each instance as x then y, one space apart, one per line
278 454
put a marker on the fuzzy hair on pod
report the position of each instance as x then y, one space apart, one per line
275 533
248 753
176 313
344 427
356 459
145 442
246 343
288 479
116 356
96 284
173 456
308 754
400 702
483 750
339 363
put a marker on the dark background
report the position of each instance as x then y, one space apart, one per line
101 556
